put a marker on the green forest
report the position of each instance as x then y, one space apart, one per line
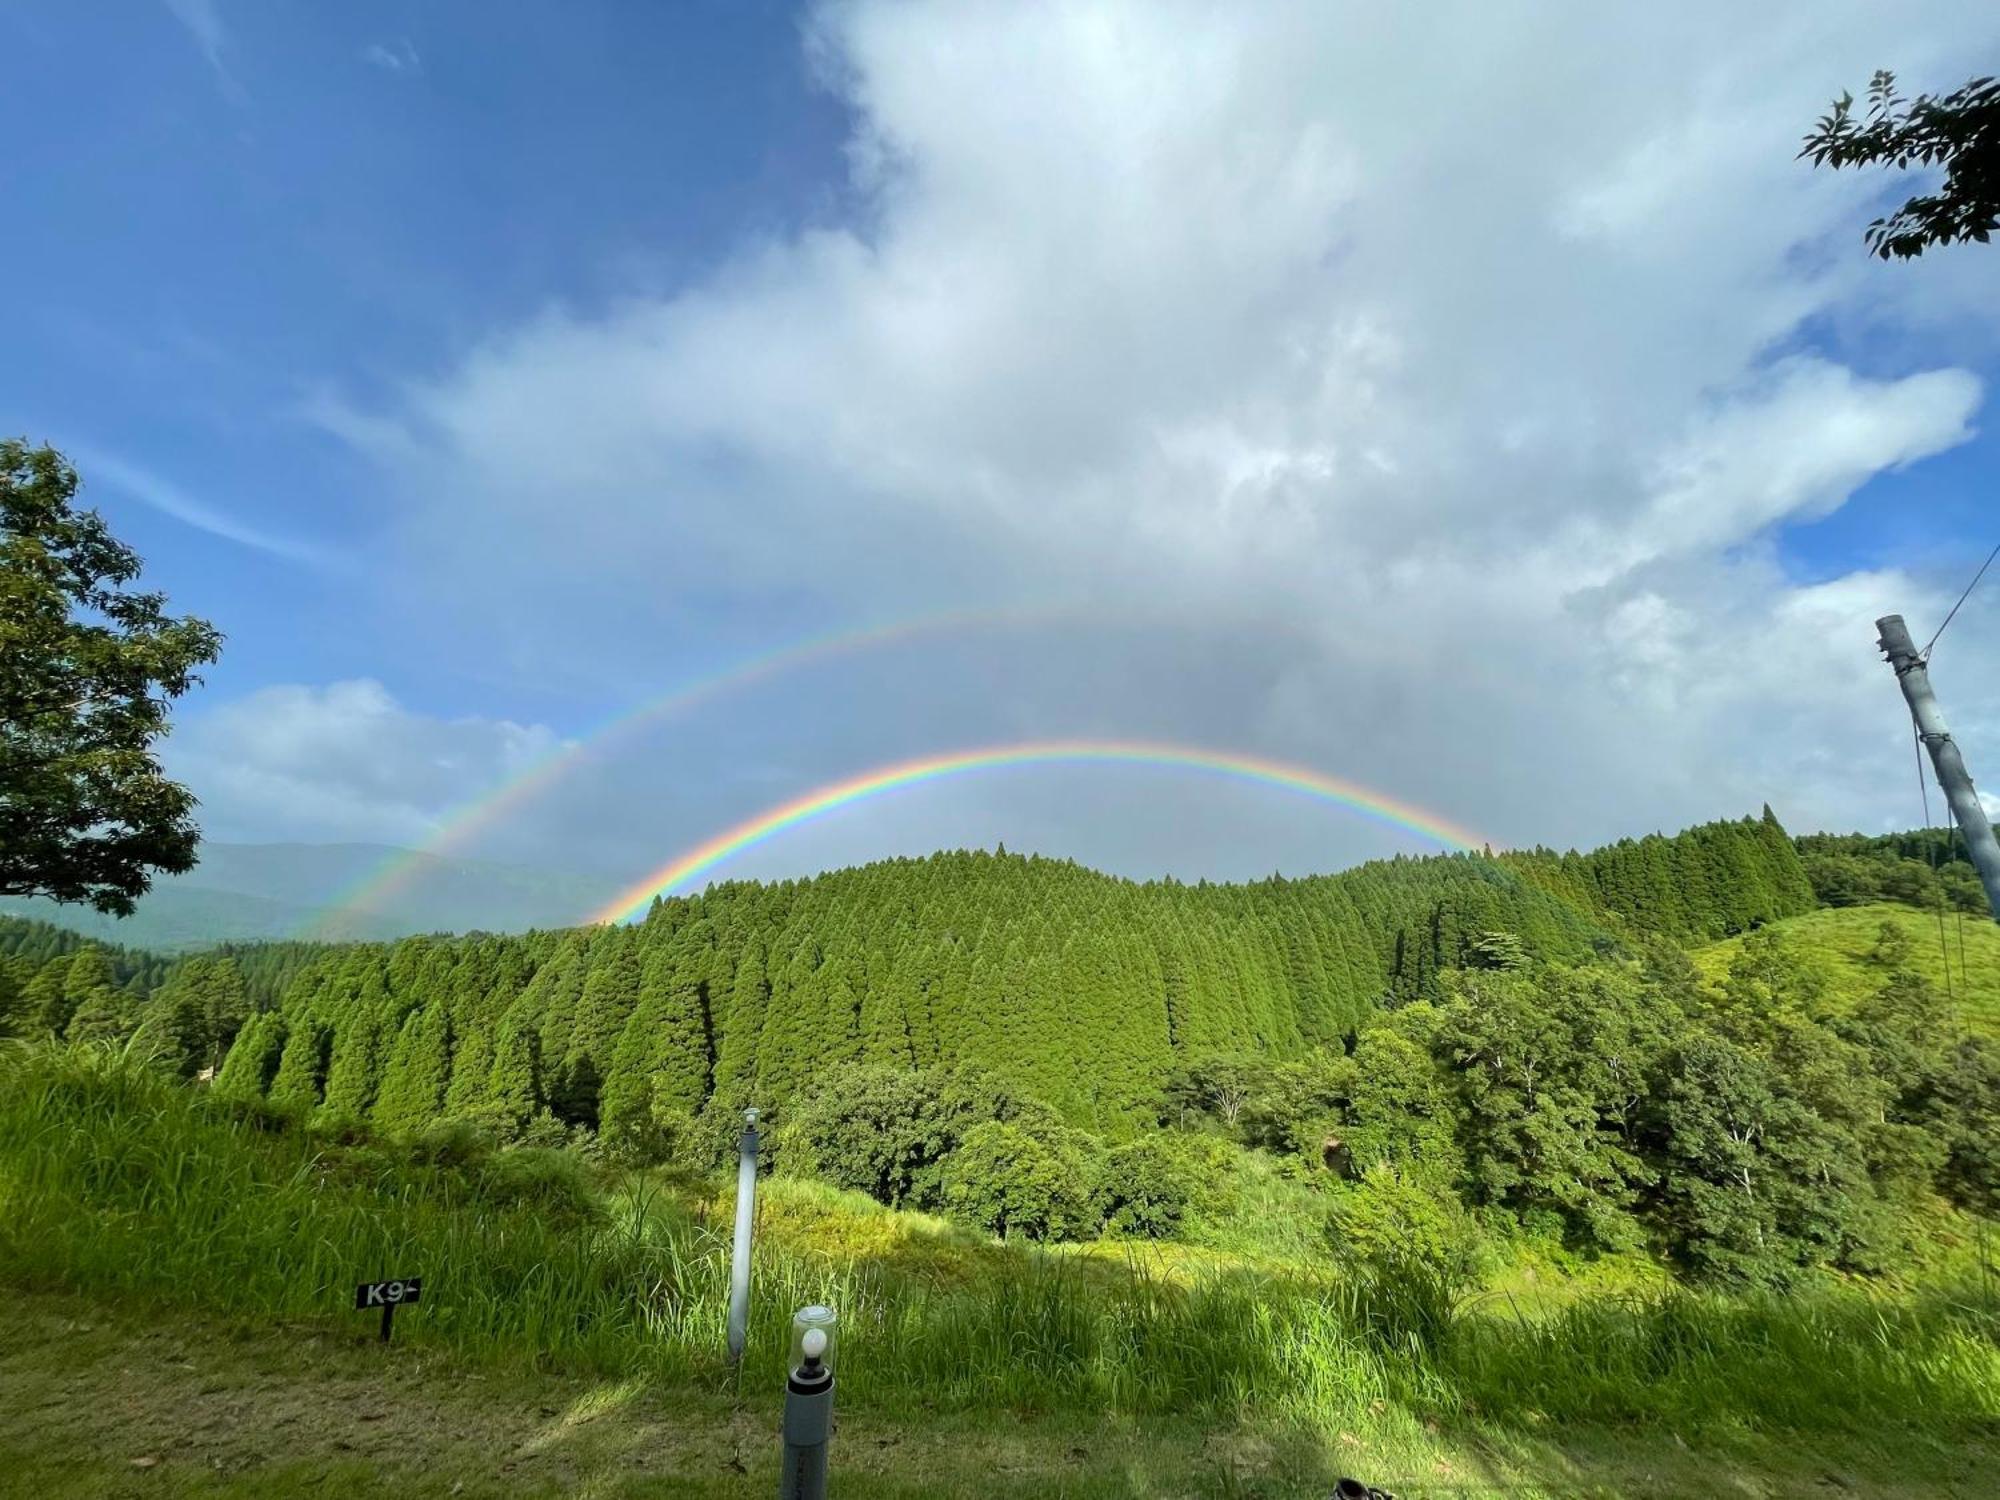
1421 1053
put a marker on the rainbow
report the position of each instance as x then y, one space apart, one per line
685 867
378 886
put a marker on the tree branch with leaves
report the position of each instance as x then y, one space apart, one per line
88 668
1959 132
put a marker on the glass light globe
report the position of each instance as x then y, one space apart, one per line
812 1334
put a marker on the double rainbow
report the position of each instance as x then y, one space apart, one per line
377 888
704 857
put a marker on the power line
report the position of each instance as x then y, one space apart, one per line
1962 598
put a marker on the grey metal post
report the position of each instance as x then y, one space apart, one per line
808 1421
1966 810
739 1258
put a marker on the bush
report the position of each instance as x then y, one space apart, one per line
339 1128
1011 1179
877 1130
887 1131
1156 1185
546 1133
256 1112
1389 1218
456 1142
550 1181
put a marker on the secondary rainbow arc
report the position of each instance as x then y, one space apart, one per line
697 861
375 887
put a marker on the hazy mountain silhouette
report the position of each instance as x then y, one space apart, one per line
244 892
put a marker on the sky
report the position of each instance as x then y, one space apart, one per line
1479 403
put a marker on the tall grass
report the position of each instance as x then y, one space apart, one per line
115 1181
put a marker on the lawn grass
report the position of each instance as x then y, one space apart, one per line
1837 940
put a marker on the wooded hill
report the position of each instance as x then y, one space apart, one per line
1080 989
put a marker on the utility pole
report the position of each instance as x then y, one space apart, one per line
1966 810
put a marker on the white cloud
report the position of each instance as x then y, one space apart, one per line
170 499
398 56
203 20
204 24
1792 445
1464 339
343 762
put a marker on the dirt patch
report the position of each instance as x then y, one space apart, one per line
78 1377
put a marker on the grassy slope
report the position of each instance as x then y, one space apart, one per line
1838 940
176 1297
109 1400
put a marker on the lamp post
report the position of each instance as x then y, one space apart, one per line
808 1406
739 1258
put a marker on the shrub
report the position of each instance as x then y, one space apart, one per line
1389 1218
877 1129
1157 1184
1011 1179
545 1132
339 1128
552 1182
457 1142
887 1131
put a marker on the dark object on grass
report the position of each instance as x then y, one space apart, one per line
388 1295
1339 1158
1354 1489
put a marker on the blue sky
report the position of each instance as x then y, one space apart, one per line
334 196
1295 379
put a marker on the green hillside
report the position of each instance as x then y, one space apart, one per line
1082 990
1452 1171
1841 945
191 1271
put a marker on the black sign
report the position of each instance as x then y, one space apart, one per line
388 1293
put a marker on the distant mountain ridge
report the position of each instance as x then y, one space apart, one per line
260 892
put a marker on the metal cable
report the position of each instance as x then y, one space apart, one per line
1926 652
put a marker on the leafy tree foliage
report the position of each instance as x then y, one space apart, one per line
44 1009
1084 992
1959 132
1925 868
887 1131
1159 1185
193 1017
253 1058
93 1008
14 978
1965 1117
301 1075
1544 1067
1018 1179
87 668
419 1067
1390 1215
